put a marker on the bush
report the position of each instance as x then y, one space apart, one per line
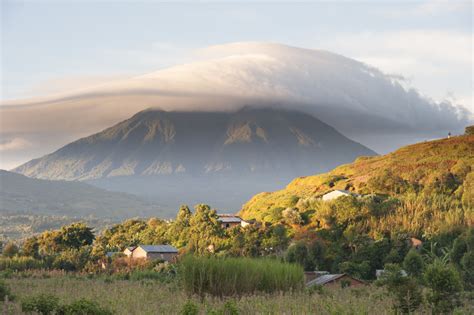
43 304
4 291
83 307
20 263
445 287
190 309
413 263
238 276
404 289
10 250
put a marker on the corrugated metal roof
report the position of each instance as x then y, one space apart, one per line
159 248
325 279
230 220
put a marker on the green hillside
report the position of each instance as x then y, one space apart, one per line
418 185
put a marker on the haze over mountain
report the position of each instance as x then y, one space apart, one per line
23 195
374 108
193 157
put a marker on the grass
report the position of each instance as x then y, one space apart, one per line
238 276
420 163
155 297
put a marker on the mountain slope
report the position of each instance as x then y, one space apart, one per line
20 194
156 150
424 167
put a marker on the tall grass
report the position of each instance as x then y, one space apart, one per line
20 263
238 276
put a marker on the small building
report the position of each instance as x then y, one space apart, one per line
380 272
231 220
128 251
152 252
311 275
342 280
338 193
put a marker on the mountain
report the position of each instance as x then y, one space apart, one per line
23 195
218 157
374 108
433 168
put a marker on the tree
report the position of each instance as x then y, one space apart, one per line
31 247
467 264
413 264
178 231
10 249
469 130
76 235
405 289
445 286
205 232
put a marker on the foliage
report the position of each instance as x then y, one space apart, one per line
238 276
413 263
43 304
83 307
405 289
445 287
20 263
10 249
190 308
5 291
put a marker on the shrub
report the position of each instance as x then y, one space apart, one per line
238 276
413 263
190 309
405 290
445 287
10 250
83 307
43 304
20 263
4 291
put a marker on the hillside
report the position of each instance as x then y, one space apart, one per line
169 155
440 167
23 195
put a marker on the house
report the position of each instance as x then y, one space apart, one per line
128 251
338 193
379 273
343 280
311 275
163 252
230 220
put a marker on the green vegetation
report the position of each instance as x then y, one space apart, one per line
238 276
413 218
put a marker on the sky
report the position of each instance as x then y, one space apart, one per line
49 47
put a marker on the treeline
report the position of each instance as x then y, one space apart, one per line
340 236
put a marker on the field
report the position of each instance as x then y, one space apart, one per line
155 297
158 297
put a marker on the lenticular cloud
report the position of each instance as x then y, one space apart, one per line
357 99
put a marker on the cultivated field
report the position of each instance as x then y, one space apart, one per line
166 297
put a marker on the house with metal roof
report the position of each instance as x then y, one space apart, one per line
342 279
128 251
231 220
152 252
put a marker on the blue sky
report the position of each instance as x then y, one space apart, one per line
48 44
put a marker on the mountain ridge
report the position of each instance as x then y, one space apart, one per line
169 155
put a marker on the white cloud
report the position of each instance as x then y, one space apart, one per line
435 62
356 99
14 144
